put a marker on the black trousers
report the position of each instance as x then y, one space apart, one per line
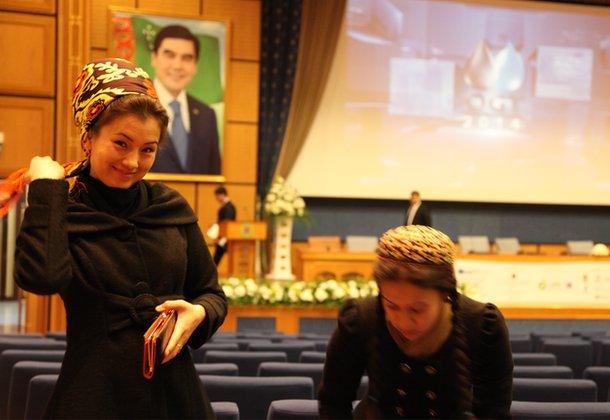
219 252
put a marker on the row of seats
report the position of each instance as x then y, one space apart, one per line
222 356
292 398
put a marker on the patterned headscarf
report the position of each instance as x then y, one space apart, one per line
420 254
101 82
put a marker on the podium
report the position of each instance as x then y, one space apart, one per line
242 237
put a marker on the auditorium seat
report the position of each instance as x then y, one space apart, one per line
56 335
558 372
588 335
254 395
39 394
601 376
293 410
21 335
313 336
525 410
23 372
8 358
225 410
255 324
537 337
597 343
260 335
521 344
576 355
292 349
199 354
221 369
534 359
31 344
321 345
554 390
312 357
41 388
248 362
310 370
242 343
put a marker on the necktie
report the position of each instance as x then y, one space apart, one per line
180 137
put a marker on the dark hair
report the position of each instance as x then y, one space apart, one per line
221 190
140 105
461 396
175 31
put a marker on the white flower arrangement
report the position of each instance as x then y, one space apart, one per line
284 200
328 292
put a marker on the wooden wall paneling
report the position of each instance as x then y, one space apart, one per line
73 53
244 198
36 313
27 124
188 190
34 6
28 54
97 53
99 20
239 155
57 314
245 24
180 7
207 207
242 92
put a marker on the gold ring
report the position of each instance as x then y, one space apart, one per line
179 346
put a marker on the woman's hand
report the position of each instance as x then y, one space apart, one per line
45 168
189 318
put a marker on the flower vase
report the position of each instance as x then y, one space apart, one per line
281 266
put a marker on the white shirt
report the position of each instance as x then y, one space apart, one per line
165 97
412 211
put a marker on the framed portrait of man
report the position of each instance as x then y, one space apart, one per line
187 59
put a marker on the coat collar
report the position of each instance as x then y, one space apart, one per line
166 207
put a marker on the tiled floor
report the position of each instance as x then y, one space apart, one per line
9 318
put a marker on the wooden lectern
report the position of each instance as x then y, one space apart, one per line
242 237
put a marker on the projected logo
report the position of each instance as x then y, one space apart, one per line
493 78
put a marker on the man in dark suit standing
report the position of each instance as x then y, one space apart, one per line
418 213
193 145
225 212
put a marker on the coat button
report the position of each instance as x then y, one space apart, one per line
431 395
402 393
405 368
430 370
432 413
400 411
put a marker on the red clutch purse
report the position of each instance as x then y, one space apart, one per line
155 341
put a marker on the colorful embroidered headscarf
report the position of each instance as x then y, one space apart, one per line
419 254
100 82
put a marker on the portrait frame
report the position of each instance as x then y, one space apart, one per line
131 34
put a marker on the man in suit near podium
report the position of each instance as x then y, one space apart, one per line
225 212
418 213
193 145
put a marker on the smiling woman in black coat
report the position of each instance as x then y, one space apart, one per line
119 250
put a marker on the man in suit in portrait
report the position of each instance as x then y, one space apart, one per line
225 212
418 213
193 146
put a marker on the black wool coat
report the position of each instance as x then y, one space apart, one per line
405 387
111 272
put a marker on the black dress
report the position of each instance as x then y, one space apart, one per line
404 387
113 255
